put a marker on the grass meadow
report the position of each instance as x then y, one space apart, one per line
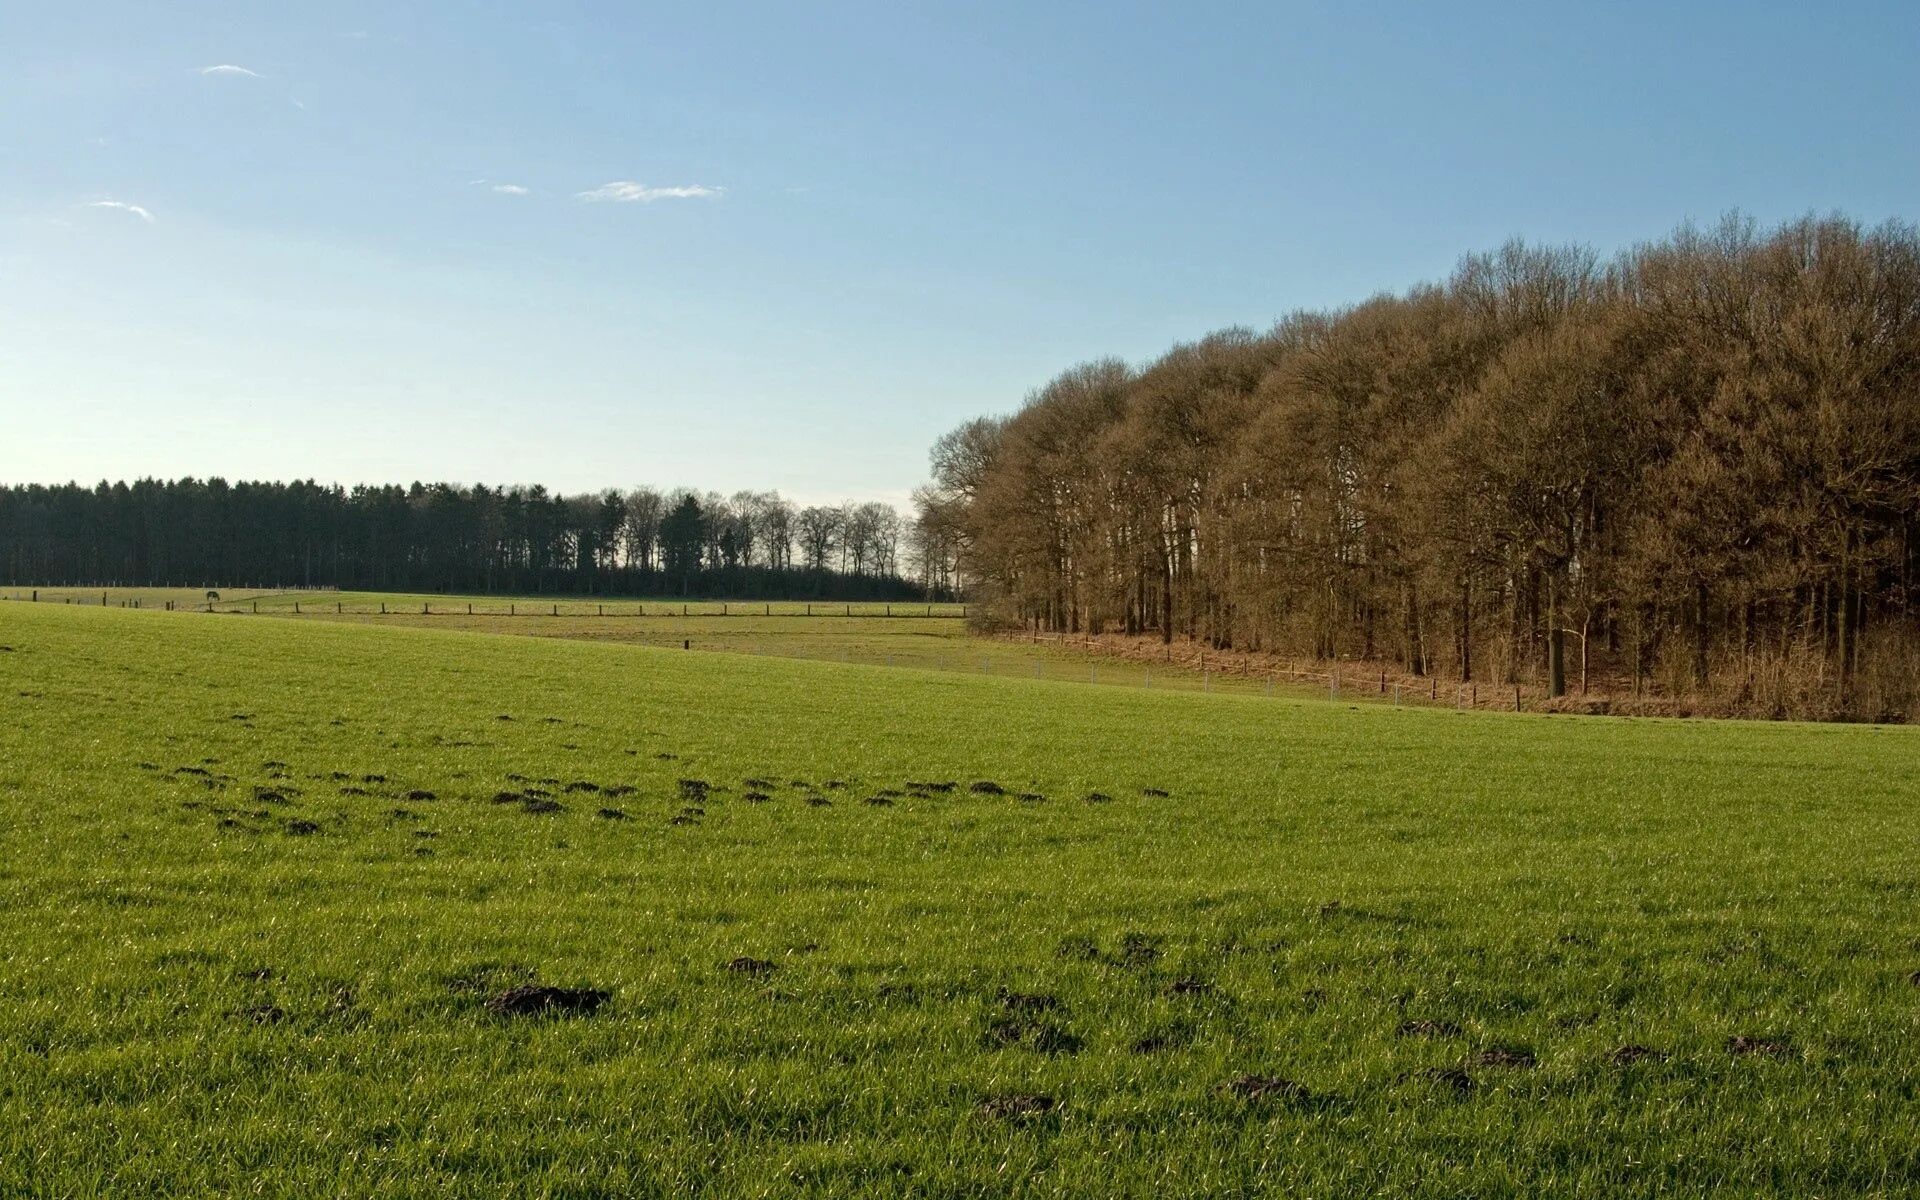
268 889
926 636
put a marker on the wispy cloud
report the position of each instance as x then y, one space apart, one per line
231 69
123 206
625 191
502 189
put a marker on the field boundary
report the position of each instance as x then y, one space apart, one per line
317 605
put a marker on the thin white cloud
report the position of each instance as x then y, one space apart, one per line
230 69
625 191
510 189
123 206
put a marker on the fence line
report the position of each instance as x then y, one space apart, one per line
895 612
315 604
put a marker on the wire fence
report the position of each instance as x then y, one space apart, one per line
316 604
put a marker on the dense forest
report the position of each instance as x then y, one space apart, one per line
1690 470
442 537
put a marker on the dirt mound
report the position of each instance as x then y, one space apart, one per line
1452 1077
1016 1106
1043 1037
1138 950
1765 1047
539 999
1502 1056
1265 1087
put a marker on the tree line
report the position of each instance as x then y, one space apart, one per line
1692 469
451 538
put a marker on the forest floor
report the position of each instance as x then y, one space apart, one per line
308 907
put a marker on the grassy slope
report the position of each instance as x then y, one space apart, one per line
1559 884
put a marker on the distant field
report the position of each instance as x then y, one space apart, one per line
328 600
870 931
927 636
126 597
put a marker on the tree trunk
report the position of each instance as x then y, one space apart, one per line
1556 644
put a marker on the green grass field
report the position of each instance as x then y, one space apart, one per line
259 880
925 636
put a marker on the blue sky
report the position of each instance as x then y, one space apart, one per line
785 245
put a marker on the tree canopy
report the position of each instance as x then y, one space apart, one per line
446 537
1696 465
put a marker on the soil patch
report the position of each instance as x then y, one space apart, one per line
1016 1106
538 999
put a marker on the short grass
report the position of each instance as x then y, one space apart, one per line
256 889
118 597
925 636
